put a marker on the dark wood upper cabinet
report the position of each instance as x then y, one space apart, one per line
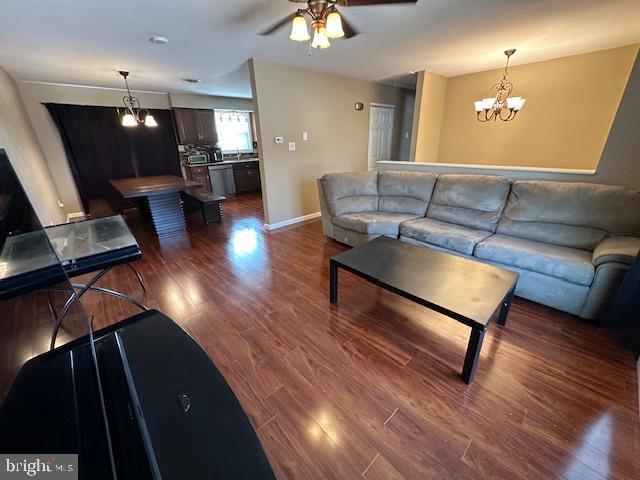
195 125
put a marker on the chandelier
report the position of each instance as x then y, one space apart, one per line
325 21
501 106
134 115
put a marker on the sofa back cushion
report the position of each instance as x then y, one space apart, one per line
474 201
405 192
351 192
578 215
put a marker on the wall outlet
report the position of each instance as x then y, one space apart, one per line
406 135
279 140
305 136
292 146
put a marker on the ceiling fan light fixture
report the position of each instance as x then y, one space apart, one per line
299 30
320 39
334 25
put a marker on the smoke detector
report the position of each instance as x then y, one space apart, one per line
191 80
159 40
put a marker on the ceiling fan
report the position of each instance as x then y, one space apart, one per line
325 19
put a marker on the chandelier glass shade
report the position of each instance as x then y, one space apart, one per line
134 115
502 105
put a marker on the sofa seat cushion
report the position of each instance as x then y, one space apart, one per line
446 235
570 264
373 223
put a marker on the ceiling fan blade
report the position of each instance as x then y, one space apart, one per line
348 28
277 26
364 3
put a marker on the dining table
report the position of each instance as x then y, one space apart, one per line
163 197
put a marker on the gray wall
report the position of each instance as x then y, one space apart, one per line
406 126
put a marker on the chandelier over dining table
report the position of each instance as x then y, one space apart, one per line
502 105
134 115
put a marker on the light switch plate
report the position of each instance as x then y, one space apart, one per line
305 136
279 140
292 146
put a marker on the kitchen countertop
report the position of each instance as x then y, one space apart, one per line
223 162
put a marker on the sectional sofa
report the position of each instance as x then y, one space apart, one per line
570 242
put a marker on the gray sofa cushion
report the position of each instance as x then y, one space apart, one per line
570 264
446 235
405 192
577 215
474 201
373 223
351 192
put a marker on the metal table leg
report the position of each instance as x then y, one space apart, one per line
113 293
144 288
75 296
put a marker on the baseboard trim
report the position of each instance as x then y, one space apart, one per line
291 221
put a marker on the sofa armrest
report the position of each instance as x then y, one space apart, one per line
617 250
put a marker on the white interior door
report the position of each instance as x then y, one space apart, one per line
380 134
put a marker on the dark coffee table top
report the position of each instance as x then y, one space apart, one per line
467 290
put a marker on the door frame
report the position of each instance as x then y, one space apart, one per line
373 105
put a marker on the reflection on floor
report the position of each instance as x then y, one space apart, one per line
371 388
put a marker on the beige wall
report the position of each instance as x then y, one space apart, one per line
18 138
431 91
571 103
290 100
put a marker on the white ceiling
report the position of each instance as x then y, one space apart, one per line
86 41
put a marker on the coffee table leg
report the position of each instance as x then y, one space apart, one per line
506 306
473 354
333 281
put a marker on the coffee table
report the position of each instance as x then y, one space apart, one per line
466 290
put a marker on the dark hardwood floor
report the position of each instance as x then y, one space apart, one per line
370 388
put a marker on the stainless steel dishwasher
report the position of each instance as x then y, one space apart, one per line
222 181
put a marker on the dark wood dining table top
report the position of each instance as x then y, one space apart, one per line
145 186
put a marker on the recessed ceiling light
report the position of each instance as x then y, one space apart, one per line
159 40
191 80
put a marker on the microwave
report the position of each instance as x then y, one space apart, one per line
198 159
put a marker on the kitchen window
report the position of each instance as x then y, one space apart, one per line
234 131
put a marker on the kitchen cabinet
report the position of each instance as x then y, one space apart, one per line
247 176
200 174
195 125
